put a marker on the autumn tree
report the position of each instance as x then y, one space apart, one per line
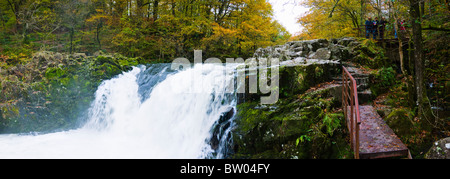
72 13
331 19
153 29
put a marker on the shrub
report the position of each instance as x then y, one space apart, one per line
382 80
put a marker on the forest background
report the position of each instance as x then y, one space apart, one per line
162 30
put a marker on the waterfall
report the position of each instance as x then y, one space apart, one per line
148 112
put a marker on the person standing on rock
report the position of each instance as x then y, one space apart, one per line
402 29
369 27
375 28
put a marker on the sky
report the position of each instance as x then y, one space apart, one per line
286 12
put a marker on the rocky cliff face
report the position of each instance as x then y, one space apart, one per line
306 122
349 49
51 89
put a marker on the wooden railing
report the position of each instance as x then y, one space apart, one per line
350 104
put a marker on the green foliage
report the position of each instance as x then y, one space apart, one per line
386 77
382 80
332 122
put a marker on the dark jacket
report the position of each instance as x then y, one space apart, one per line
375 24
369 25
382 24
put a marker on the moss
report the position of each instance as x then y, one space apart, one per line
250 117
107 70
401 121
297 79
9 116
54 73
106 59
415 134
128 62
368 53
292 128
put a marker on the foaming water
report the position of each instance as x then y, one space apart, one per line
149 112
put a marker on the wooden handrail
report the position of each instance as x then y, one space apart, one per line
350 99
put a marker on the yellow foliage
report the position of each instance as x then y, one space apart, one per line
330 19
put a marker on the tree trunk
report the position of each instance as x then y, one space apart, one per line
15 8
418 54
71 40
173 8
155 10
399 37
400 47
98 36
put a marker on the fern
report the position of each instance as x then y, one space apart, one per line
332 122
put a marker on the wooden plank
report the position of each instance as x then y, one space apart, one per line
377 140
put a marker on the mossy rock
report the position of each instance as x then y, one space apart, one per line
109 70
100 60
8 116
297 79
51 89
368 53
291 128
401 122
439 150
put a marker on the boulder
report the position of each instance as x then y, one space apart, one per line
439 150
321 53
346 41
295 44
295 54
339 52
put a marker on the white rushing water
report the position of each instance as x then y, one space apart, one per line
131 118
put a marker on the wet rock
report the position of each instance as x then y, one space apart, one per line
439 150
220 126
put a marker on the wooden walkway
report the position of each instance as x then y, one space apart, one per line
370 136
376 139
